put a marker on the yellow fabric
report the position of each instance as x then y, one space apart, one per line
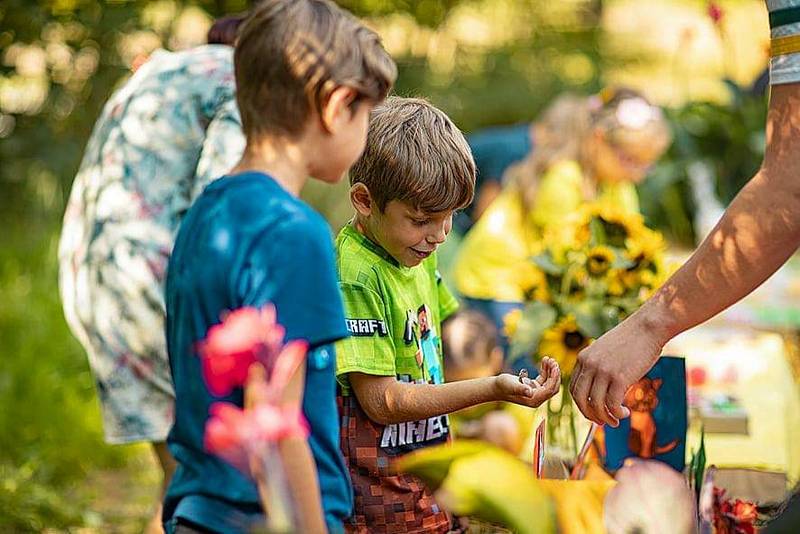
493 261
523 416
579 504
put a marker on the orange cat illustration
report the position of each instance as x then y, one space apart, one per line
642 399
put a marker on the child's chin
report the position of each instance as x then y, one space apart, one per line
411 261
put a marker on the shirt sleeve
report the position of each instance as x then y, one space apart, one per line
370 348
784 22
559 195
448 304
222 148
292 267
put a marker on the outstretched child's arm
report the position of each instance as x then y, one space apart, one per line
386 400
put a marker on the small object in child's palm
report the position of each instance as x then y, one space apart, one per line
523 376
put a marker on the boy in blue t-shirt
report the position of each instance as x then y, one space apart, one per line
304 96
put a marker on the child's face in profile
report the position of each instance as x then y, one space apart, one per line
408 234
345 136
625 158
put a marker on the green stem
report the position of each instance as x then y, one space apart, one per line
572 429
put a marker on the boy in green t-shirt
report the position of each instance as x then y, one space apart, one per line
415 172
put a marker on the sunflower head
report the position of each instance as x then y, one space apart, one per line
615 282
562 342
645 247
535 285
647 278
617 225
511 322
599 260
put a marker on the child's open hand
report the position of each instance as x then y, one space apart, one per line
527 392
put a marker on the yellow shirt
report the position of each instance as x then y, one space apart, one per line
493 262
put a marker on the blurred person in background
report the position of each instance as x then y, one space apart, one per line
471 350
587 149
166 133
494 150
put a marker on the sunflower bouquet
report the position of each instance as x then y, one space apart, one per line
589 276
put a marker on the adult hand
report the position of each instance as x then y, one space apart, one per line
609 366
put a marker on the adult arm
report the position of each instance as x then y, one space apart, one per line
757 234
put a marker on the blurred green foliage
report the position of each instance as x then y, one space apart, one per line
729 138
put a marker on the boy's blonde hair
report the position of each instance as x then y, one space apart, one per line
415 154
292 54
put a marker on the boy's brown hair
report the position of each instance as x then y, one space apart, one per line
415 154
291 54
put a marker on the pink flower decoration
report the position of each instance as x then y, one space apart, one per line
235 435
245 335
715 12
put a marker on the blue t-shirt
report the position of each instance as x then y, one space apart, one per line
246 242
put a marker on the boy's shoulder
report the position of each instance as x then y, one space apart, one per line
356 261
363 265
254 200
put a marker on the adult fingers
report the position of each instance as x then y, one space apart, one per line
616 394
581 387
597 400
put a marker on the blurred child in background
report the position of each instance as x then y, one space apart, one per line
471 350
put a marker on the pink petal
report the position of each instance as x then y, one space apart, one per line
223 435
285 366
238 332
223 373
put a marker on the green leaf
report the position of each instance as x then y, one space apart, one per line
491 485
546 263
536 318
610 317
597 234
620 261
589 324
700 468
588 316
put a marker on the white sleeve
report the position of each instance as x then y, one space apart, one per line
784 23
222 148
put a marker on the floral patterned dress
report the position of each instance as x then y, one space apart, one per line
168 131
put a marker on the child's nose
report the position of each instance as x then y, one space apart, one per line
439 236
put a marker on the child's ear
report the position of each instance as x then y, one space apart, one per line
361 199
337 110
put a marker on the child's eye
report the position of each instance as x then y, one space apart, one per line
421 222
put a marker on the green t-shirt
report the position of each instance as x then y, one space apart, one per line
394 315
